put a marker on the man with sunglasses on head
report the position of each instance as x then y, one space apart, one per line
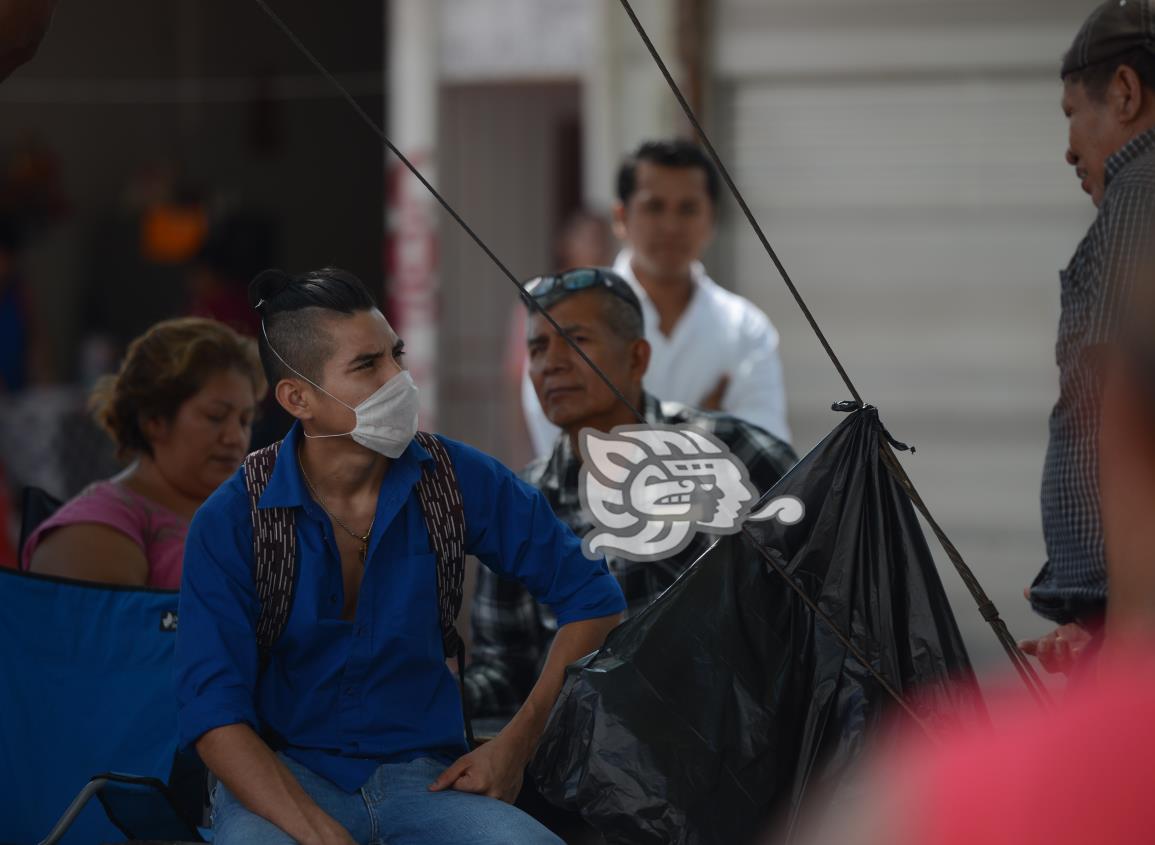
599 310
710 348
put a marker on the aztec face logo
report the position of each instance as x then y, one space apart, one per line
649 489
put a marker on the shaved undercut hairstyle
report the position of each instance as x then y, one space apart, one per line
293 311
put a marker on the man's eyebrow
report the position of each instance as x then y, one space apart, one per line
367 357
568 329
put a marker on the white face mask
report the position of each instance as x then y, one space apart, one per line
386 421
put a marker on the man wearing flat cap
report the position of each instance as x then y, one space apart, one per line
1109 99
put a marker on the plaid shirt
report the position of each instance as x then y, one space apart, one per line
1096 287
512 633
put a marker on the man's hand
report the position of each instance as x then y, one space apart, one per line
495 770
263 785
712 401
1060 650
329 832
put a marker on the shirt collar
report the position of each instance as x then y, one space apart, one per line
564 459
286 487
1139 145
623 266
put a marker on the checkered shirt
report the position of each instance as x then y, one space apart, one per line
512 632
1096 287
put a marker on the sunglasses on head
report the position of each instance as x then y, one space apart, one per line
556 287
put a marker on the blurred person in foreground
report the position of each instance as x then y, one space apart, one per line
511 632
182 408
711 348
1109 99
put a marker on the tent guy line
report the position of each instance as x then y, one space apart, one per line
986 607
533 304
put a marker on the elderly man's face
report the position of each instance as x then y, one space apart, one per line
571 394
22 27
1097 131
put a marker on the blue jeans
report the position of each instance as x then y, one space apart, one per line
395 807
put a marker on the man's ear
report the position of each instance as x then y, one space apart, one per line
1128 94
292 397
640 351
619 219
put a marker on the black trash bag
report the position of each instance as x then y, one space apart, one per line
727 701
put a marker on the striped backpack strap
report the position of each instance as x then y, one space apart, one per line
444 513
274 552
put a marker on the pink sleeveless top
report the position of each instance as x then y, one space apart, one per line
159 532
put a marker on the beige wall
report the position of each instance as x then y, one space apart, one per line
500 157
906 160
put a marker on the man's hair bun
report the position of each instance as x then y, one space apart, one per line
267 286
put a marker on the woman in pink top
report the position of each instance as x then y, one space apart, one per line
182 408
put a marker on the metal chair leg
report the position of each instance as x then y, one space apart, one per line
78 803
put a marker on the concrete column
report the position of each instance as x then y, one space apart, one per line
411 81
626 100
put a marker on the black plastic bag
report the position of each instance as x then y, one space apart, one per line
727 700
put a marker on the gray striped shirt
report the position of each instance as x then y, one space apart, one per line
1095 290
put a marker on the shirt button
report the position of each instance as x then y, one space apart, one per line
333 599
349 691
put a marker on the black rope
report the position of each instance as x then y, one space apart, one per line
986 606
842 638
741 200
380 133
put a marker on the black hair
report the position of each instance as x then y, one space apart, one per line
292 308
1095 78
622 319
673 152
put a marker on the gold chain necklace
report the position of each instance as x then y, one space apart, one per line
363 539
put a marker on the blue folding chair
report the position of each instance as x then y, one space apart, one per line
86 687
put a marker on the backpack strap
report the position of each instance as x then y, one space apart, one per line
444 513
274 551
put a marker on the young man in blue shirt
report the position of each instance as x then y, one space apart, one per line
350 729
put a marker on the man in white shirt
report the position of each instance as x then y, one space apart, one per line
711 348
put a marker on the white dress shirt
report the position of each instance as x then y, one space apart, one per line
720 333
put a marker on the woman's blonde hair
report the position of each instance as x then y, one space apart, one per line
162 369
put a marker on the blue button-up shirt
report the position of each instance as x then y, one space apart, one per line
346 696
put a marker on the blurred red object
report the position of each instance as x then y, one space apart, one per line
1081 772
